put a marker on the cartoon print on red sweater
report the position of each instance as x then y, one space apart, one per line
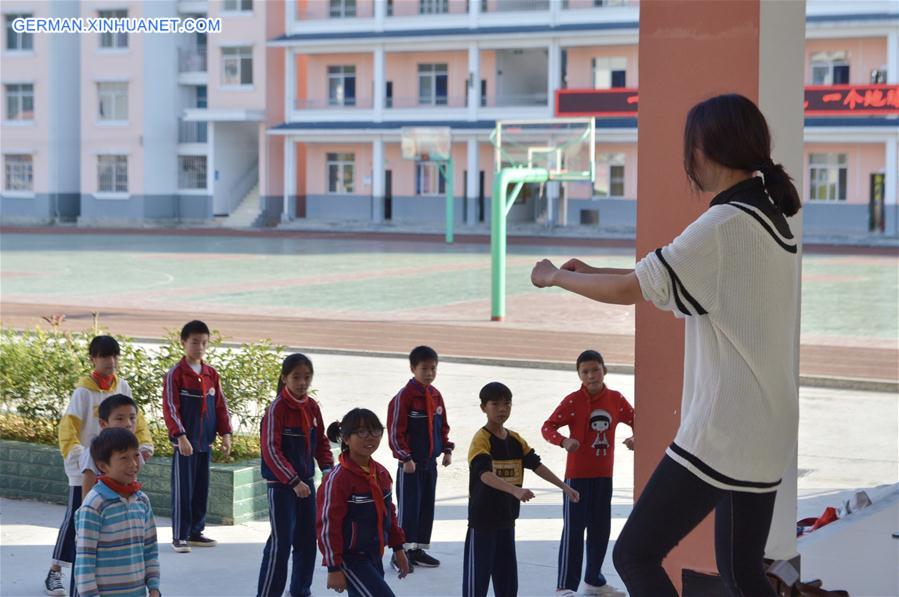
599 422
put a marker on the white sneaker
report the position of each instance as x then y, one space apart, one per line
606 589
53 583
565 593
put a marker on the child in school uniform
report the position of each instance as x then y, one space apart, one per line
356 516
591 415
292 438
418 433
496 460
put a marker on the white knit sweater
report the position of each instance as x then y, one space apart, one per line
733 276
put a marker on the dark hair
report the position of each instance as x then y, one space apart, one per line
104 346
111 403
587 356
600 417
731 131
356 419
111 440
495 392
193 327
290 363
422 353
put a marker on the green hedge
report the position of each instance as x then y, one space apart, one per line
39 368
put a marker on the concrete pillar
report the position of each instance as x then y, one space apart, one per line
290 82
744 46
290 180
553 192
290 16
893 57
554 76
380 14
377 179
472 178
380 87
890 182
474 10
474 80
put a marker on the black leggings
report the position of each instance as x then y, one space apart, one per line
672 504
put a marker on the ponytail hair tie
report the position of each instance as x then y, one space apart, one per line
765 167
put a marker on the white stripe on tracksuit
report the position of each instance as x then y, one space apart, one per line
270 440
566 530
173 412
393 437
326 519
354 580
272 555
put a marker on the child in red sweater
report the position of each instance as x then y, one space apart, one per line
591 414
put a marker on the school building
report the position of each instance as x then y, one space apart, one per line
294 112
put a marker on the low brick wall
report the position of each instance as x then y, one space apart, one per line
35 472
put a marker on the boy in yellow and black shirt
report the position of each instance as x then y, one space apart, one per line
496 460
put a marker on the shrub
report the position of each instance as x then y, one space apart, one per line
39 369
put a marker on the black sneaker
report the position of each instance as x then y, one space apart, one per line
53 583
421 558
395 565
201 540
181 546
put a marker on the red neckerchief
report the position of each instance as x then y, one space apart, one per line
202 379
377 494
104 382
429 407
300 404
126 491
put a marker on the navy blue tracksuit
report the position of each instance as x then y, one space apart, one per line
292 438
490 554
193 405
592 513
417 431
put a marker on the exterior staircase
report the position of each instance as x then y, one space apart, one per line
247 211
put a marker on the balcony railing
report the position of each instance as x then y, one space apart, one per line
359 103
192 60
426 102
317 10
513 5
582 4
520 100
193 132
409 8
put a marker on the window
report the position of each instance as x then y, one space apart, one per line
113 40
192 171
878 75
19 173
432 7
827 176
18 42
830 68
20 102
609 175
113 99
429 179
340 172
238 5
432 84
342 8
342 85
112 174
609 73
237 66
201 101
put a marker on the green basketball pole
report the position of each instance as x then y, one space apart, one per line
501 204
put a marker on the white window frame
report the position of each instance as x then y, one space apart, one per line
21 39
238 56
113 41
119 175
192 172
343 165
237 6
605 162
823 64
18 168
826 170
337 78
15 94
342 9
433 7
429 180
603 69
429 72
113 96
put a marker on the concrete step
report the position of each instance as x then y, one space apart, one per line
246 213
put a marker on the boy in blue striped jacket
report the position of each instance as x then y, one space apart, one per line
115 532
